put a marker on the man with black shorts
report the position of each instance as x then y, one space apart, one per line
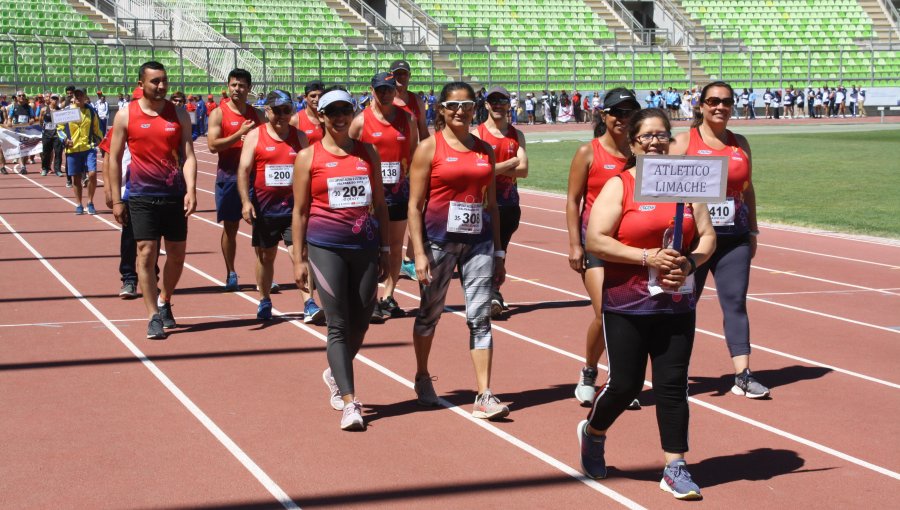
228 125
162 189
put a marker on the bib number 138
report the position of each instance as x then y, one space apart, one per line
344 192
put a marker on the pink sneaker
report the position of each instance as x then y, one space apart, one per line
336 402
488 407
352 418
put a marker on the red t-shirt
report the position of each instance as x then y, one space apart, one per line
314 132
226 169
154 144
604 167
273 174
738 178
391 140
505 148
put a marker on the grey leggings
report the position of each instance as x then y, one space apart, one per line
730 265
347 281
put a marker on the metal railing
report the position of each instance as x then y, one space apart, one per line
893 14
376 25
619 9
682 26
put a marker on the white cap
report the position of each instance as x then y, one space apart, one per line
335 96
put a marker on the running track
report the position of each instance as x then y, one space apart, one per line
232 413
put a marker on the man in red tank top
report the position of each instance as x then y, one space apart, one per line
406 100
228 126
306 119
162 179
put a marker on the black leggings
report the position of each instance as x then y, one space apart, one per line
730 266
347 281
668 340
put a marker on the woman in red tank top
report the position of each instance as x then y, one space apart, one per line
594 164
453 223
735 224
338 218
648 307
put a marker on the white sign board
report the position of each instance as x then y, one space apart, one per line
666 178
65 116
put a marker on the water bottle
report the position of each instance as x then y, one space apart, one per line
667 242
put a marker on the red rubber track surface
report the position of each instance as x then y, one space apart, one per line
86 424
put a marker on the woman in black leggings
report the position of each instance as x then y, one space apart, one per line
735 224
338 210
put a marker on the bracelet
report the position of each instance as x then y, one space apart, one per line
500 254
754 233
385 249
644 258
693 265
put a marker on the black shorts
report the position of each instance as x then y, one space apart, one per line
155 217
268 230
397 212
510 215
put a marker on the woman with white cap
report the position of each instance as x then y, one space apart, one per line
338 212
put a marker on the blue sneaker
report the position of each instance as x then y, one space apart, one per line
408 270
312 314
264 311
231 282
91 209
275 288
79 209
677 480
592 450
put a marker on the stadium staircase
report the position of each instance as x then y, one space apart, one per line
880 20
106 24
621 31
357 22
684 33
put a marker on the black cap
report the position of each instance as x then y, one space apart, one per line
618 96
384 80
313 85
399 65
498 90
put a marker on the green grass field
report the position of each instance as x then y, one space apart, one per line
848 181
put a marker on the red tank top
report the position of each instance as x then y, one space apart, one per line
459 181
391 140
341 213
313 132
505 148
226 171
604 166
412 105
154 142
642 225
273 174
738 177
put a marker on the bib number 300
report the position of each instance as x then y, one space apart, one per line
464 218
344 192
279 175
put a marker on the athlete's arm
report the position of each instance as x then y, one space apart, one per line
750 195
381 211
114 167
499 262
706 235
578 174
304 141
300 217
356 127
420 120
190 163
243 174
419 178
679 144
413 134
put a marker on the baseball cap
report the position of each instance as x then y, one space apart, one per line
209 96
498 90
398 65
335 96
384 80
99 92
54 96
20 93
618 96
313 85
278 98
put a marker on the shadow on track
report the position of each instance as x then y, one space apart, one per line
719 386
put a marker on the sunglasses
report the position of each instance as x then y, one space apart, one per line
500 101
716 101
281 110
453 106
178 100
620 112
648 137
337 111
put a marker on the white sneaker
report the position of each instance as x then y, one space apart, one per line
586 390
336 402
352 418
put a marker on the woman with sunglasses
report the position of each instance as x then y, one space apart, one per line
646 317
453 223
338 210
735 225
594 164
394 134
265 179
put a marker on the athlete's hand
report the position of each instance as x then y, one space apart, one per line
246 127
301 275
672 280
190 204
120 213
248 213
423 269
753 244
665 259
384 266
499 271
107 194
576 258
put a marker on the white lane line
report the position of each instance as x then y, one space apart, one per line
892 243
139 319
535 452
542 208
850 259
189 404
820 292
760 300
543 226
824 280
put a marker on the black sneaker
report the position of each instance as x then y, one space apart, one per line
165 314
3 170
377 317
390 308
155 329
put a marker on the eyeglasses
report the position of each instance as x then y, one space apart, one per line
500 101
716 101
648 137
620 112
453 106
281 110
337 111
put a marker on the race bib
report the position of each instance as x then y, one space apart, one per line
390 172
655 288
279 175
464 218
23 119
344 192
49 126
722 213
